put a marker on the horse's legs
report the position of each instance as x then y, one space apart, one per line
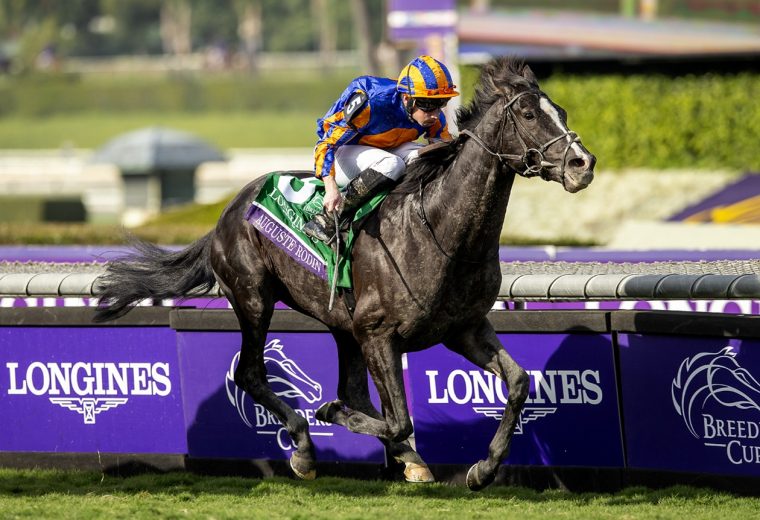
254 313
384 364
354 402
481 346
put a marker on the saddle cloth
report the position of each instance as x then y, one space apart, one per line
286 201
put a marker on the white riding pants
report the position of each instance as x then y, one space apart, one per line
351 160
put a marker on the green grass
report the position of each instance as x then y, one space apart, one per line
225 130
57 494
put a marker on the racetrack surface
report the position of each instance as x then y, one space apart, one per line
72 494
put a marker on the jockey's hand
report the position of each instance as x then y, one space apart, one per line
332 195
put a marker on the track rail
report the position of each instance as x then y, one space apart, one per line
521 281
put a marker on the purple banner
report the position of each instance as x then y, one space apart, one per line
714 306
735 203
421 18
691 404
223 421
571 417
87 389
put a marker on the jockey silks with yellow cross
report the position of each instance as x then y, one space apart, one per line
368 136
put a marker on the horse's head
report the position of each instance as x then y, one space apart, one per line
514 120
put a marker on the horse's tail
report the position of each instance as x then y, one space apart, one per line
153 272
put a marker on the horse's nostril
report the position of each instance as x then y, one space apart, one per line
578 164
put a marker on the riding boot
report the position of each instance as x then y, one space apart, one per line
363 187
321 227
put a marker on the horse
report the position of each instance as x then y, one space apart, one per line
425 271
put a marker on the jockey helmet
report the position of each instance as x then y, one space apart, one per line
426 77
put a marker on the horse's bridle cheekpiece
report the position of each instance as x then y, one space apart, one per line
532 158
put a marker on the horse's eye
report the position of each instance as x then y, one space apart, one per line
529 116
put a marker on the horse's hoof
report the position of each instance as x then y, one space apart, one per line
418 473
476 481
302 467
326 412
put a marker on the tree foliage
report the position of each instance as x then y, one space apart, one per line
116 27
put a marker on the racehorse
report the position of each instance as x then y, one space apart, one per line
425 271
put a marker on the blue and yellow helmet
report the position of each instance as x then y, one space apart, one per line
426 77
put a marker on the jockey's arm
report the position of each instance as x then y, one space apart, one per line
339 130
439 132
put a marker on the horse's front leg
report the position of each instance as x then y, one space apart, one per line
355 406
383 360
480 345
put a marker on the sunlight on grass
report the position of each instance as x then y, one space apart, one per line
71 494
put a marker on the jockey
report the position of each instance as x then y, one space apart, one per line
367 137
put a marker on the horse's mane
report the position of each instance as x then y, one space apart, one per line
493 76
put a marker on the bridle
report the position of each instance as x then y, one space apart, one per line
532 158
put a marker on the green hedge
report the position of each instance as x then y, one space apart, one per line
705 121
46 95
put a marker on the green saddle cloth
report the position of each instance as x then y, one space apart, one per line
280 210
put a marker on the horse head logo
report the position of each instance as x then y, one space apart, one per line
714 376
285 378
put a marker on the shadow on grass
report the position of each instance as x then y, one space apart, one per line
39 483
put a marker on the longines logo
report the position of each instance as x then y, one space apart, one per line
719 403
552 387
287 380
88 389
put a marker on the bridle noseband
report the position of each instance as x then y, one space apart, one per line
532 158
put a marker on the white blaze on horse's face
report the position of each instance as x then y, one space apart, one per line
579 172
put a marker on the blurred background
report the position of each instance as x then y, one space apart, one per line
151 114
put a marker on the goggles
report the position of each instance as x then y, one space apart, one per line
430 104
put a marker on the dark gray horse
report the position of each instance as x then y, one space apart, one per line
425 271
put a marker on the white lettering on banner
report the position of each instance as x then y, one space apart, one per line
83 387
476 387
717 380
717 306
288 380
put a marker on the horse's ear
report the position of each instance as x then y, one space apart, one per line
527 73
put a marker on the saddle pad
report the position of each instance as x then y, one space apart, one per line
282 207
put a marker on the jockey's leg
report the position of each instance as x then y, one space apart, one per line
363 171
407 151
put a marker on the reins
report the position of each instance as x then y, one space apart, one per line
426 223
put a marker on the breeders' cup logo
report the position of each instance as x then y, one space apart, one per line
713 383
89 389
550 388
287 380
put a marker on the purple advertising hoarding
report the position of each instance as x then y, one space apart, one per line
89 389
691 403
571 417
222 421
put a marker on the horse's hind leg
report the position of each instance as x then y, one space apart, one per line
354 403
481 346
254 311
